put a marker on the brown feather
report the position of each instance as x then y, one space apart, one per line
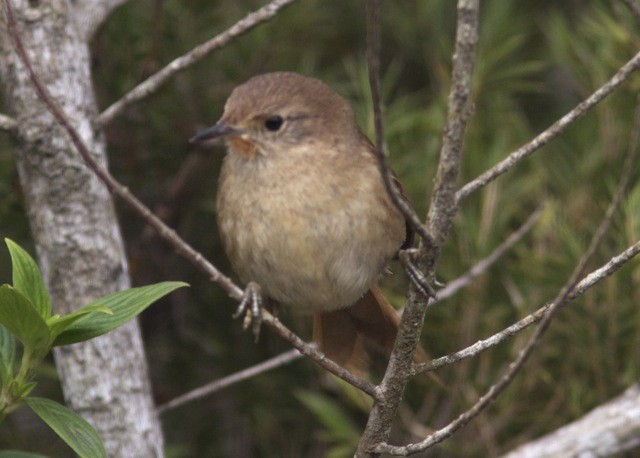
356 335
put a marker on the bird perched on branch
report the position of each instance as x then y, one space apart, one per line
304 213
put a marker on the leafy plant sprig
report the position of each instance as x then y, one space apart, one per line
26 316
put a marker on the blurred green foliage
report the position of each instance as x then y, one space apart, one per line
536 60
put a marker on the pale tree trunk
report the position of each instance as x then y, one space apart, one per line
609 429
74 225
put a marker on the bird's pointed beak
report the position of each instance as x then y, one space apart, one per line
218 131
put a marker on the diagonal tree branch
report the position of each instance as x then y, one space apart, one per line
225 382
155 81
480 267
553 131
549 312
441 213
292 355
587 282
566 293
373 62
168 234
394 189
612 266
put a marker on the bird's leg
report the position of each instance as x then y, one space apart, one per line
418 278
251 307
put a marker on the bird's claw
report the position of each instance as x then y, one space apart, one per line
424 285
251 308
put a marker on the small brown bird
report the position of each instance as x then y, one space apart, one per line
303 210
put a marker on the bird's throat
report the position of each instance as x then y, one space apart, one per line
242 148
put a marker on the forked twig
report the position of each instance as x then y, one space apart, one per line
609 268
566 293
153 83
441 213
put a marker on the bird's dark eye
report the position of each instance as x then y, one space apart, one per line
273 123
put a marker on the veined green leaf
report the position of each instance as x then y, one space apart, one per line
27 279
74 430
22 390
124 305
57 324
7 355
21 319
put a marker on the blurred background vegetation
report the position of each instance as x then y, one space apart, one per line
536 60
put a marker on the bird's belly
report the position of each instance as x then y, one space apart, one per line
311 262
308 243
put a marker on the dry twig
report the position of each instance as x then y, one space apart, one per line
566 293
225 382
391 183
480 267
553 131
441 213
612 266
153 83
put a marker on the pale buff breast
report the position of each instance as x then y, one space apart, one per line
311 240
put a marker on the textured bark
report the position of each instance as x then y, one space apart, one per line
607 430
74 225
90 14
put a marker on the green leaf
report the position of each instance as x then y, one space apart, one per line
57 324
124 305
27 279
23 389
74 430
19 454
22 320
7 355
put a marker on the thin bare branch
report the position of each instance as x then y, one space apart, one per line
443 202
612 266
225 382
318 357
168 234
480 267
587 282
394 189
110 182
156 80
553 131
7 122
441 213
544 314
566 293
373 62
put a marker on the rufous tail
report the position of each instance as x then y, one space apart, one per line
353 336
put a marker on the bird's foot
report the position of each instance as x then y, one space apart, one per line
251 308
424 284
